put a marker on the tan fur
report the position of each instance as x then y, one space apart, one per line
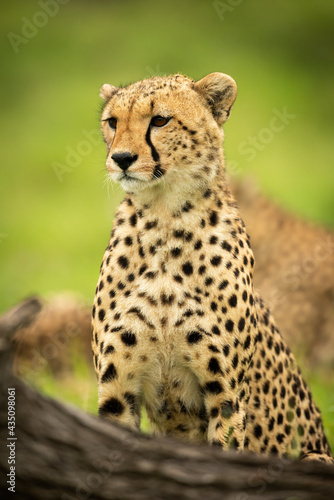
176 324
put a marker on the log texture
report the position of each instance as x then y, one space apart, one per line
64 454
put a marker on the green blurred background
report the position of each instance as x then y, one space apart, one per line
55 225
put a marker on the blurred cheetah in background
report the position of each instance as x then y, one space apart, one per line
294 272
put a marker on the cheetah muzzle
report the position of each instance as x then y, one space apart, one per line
177 326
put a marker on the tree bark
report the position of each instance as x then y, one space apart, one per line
64 454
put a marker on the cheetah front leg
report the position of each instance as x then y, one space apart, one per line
119 404
225 391
119 389
227 416
123 408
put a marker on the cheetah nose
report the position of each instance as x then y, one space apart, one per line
124 160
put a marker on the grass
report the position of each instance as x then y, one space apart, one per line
53 231
77 387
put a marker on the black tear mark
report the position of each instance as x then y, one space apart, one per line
155 154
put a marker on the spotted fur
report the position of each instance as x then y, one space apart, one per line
176 323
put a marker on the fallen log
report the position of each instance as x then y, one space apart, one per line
65 454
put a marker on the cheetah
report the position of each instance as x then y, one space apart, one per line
176 325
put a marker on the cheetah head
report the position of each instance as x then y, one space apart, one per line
166 131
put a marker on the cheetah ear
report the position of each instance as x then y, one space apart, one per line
107 91
219 91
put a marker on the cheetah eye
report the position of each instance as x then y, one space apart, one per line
159 121
112 122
